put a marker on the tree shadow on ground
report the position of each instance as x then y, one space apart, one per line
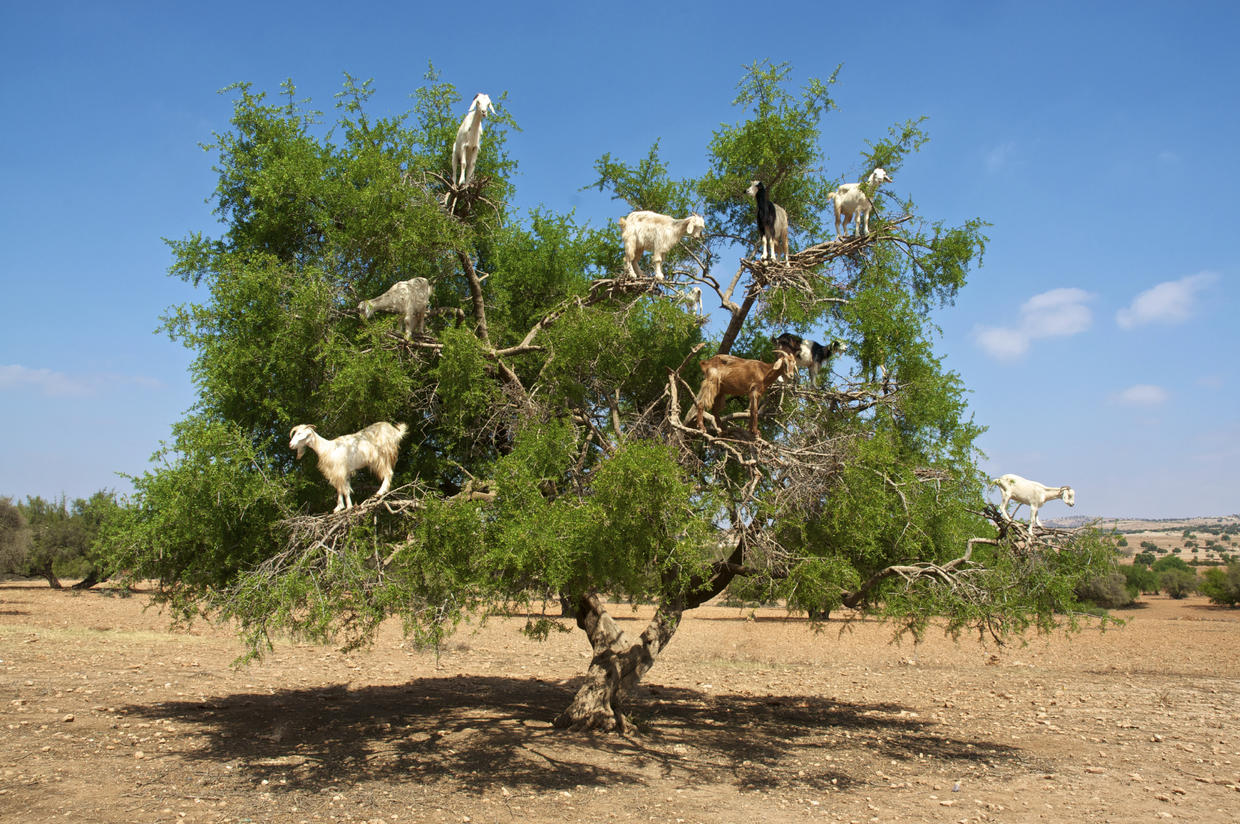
479 732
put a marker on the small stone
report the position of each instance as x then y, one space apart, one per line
1163 797
67 718
1095 770
139 754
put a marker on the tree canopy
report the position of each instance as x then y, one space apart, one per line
549 460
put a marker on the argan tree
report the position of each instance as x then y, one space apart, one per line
553 459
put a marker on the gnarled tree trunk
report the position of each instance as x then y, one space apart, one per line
620 660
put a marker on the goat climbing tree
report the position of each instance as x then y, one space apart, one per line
549 460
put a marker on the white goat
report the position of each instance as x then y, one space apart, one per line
772 222
469 139
409 298
691 297
1031 493
376 447
726 376
853 205
657 234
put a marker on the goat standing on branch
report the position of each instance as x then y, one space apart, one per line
727 376
852 203
409 298
657 234
772 223
469 139
1032 493
809 354
376 447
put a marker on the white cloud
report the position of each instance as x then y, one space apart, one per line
1171 301
46 381
1142 394
51 383
1054 314
999 156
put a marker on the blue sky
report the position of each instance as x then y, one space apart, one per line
1099 340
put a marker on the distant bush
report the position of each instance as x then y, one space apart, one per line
1222 586
1171 562
1140 580
1106 591
1144 558
1177 583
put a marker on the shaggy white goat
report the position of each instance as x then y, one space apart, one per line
409 298
655 233
853 205
772 222
468 139
375 446
810 354
691 297
1031 493
726 376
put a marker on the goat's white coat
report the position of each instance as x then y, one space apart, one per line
469 139
655 233
376 447
1032 494
852 204
691 297
409 298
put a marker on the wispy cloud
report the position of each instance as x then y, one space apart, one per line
50 383
1053 314
1169 302
1000 156
1142 394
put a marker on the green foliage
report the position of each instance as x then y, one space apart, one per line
1222 586
56 539
14 537
1178 583
1171 562
1107 591
1144 559
1140 580
544 456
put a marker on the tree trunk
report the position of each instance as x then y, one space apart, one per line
619 663
47 572
93 577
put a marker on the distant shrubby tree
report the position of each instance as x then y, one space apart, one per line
1123 541
1141 580
1222 585
1178 583
1106 591
1171 562
1144 558
548 458
14 538
63 537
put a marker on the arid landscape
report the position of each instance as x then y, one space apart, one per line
109 716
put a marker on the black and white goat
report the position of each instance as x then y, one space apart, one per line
809 354
772 222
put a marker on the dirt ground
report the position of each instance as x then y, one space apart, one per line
110 717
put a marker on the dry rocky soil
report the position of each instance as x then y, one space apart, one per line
109 716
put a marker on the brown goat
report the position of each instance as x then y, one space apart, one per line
727 376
